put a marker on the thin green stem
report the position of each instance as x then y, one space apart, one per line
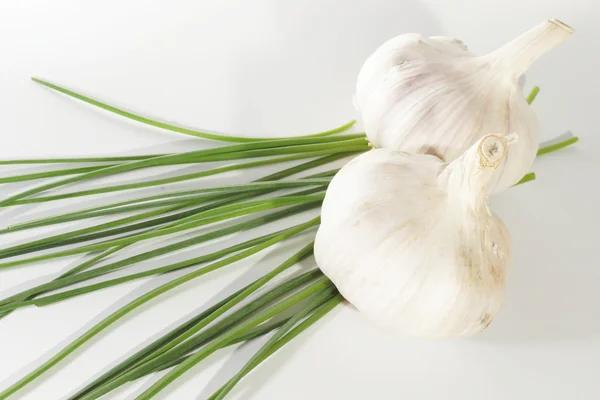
79 268
223 189
528 177
82 215
95 212
81 170
48 174
26 298
164 221
190 160
243 226
80 235
170 127
225 206
79 160
262 205
75 236
325 300
273 147
262 329
51 299
533 94
16 199
272 177
58 297
557 146
303 253
166 338
326 159
240 326
258 331
143 356
112 318
313 318
253 333
323 284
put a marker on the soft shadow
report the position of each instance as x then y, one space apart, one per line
242 354
552 292
49 374
256 379
253 272
259 268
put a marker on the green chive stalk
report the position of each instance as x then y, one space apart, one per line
173 212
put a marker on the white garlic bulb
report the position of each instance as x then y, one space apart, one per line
431 95
410 242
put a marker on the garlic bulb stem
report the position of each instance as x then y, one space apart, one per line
470 177
516 56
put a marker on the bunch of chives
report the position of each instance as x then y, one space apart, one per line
225 210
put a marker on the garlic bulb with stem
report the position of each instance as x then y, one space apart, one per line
431 95
410 242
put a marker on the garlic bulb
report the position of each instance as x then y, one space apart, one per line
410 242
431 95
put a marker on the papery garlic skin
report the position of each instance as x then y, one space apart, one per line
410 241
431 95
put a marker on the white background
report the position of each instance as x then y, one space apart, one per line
277 68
